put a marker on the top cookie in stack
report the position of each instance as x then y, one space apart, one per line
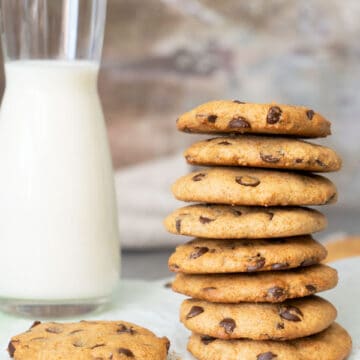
251 220
225 116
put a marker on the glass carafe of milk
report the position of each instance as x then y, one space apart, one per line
59 246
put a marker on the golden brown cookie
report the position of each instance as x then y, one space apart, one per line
263 152
267 286
116 340
226 116
209 256
262 321
334 343
248 186
237 222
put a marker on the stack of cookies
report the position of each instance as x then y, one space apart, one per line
253 268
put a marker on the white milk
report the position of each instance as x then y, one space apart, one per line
58 223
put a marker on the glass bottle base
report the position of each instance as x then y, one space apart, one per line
37 309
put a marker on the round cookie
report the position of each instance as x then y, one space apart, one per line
268 286
262 321
88 340
237 222
209 256
334 343
248 186
226 116
263 152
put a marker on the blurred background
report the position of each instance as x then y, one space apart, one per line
162 57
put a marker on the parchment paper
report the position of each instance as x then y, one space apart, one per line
152 305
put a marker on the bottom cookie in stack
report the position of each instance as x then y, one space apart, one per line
334 343
244 308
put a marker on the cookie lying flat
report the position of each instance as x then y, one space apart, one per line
88 340
248 186
263 321
226 116
269 286
263 152
237 222
333 343
208 256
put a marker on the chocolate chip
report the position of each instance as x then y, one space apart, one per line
309 262
11 347
311 288
168 285
35 323
290 313
124 329
280 326
237 212
239 122
198 177
96 346
178 225
310 114
271 215
205 220
266 356
259 263
194 311
224 143
320 163
187 130
125 352
209 288
212 118
54 330
199 251
299 161
276 292
206 340
273 115
279 266
238 102
228 324
247 180
269 158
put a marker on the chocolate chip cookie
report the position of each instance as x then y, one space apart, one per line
334 343
248 186
237 222
262 321
267 286
263 152
209 256
96 340
226 116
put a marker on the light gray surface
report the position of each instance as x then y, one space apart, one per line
149 265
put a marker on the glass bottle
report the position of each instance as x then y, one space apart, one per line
59 246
